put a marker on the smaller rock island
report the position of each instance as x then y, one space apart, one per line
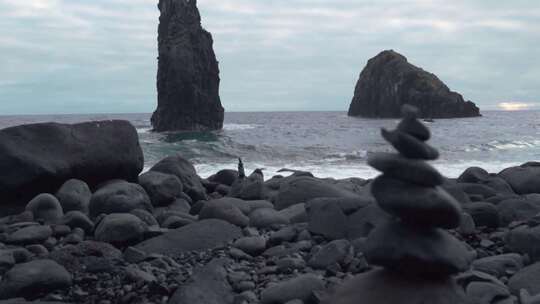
389 81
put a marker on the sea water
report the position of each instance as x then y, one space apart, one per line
328 144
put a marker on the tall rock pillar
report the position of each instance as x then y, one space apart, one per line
188 72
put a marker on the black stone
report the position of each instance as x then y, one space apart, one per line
430 206
409 146
416 250
410 170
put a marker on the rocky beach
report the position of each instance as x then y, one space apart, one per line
81 225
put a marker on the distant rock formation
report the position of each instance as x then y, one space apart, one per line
389 81
188 72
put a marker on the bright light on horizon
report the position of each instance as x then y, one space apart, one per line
513 106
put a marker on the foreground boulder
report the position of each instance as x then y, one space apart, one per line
389 81
188 72
38 158
201 235
31 279
119 197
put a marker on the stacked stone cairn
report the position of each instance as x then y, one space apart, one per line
418 256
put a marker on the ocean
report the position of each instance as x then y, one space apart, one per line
328 144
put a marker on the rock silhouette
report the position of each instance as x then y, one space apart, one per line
388 81
188 72
412 247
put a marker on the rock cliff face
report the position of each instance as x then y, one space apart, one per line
389 81
188 72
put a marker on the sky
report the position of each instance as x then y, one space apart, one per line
99 56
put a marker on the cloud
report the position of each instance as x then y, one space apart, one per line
100 55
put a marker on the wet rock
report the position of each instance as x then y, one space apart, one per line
34 278
119 197
45 207
120 229
74 195
162 188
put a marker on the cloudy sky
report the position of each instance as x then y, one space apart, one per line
95 56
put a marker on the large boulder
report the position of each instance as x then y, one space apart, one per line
45 207
119 197
184 170
201 235
526 240
188 72
523 179
298 288
40 157
389 81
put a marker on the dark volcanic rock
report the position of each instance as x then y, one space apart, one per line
74 195
202 235
523 179
416 250
389 81
209 285
30 279
162 188
45 207
382 287
40 157
188 72
184 170
119 197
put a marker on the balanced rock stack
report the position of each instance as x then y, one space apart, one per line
417 255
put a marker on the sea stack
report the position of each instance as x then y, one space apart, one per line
416 254
389 81
188 72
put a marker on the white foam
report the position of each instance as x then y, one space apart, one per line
235 127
